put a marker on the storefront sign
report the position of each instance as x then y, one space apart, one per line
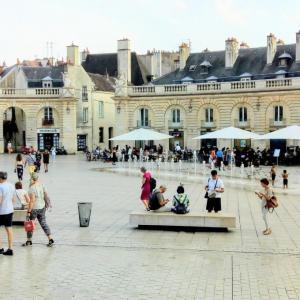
48 130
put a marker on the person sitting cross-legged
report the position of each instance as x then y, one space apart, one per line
180 202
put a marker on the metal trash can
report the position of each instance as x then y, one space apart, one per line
84 211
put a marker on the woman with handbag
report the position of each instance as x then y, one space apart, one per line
265 196
37 209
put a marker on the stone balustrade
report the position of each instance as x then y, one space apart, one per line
215 87
36 92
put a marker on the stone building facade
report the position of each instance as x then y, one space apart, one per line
256 89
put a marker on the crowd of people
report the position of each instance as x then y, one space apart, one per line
34 200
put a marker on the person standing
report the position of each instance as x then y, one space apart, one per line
114 156
46 160
19 167
9 147
53 153
31 161
38 157
219 158
146 187
265 195
285 177
7 199
214 189
273 174
37 209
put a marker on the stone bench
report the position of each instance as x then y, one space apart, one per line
19 215
192 219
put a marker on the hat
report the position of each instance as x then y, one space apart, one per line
34 176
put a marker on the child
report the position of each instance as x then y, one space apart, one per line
180 202
285 176
273 174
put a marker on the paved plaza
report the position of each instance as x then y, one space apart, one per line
111 260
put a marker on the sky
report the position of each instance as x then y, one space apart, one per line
27 26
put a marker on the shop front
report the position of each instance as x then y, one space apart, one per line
81 142
48 138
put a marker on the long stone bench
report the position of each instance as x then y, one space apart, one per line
19 215
192 219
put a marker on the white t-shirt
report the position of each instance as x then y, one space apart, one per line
7 192
20 198
215 184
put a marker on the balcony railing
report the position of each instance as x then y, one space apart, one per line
36 93
241 124
48 121
205 124
215 87
143 124
277 124
173 125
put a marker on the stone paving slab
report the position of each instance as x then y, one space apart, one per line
111 260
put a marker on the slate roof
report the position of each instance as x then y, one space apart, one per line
39 73
250 60
103 82
107 63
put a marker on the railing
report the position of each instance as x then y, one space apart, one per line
173 125
277 124
48 121
36 92
241 124
205 124
215 87
143 124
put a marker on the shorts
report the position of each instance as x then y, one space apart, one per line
285 182
6 220
273 176
31 169
213 204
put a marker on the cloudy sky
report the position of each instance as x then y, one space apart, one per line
26 26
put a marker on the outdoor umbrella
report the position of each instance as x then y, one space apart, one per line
287 133
229 133
142 134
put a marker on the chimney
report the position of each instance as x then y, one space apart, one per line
73 55
231 52
244 45
280 42
84 54
298 46
271 48
184 53
124 59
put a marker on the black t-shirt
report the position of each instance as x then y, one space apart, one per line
154 200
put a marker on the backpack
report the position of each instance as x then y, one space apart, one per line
180 208
152 184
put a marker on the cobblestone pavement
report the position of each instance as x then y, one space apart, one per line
111 260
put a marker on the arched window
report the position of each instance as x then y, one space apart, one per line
209 115
278 113
243 116
144 117
175 115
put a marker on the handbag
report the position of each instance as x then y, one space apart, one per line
212 194
29 225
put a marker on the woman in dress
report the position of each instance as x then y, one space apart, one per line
146 188
19 167
46 160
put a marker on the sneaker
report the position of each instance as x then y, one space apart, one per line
8 252
28 243
51 242
1 251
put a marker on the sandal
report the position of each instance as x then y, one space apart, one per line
267 232
28 243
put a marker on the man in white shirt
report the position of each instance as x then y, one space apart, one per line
214 189
7 198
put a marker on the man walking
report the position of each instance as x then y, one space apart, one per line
214 189
31 161
7 197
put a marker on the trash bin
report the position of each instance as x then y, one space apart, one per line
84 211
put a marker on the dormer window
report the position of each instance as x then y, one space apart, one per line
47 82
280 74
212 79
205 65
192 68
284 59
187 80
246 77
